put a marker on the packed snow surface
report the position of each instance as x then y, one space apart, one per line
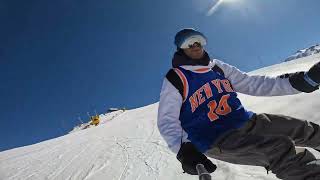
127 145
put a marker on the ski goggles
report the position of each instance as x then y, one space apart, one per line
192 40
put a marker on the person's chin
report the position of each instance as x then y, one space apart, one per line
198 56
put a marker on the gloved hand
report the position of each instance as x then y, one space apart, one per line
305 81
189 157
314 73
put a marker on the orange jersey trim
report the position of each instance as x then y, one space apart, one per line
202 70
184 82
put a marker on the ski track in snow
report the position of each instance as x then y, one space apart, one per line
128 146
126 155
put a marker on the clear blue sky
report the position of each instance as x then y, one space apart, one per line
60 59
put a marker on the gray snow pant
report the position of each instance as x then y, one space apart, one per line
269 140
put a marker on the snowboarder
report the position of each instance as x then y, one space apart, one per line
200 115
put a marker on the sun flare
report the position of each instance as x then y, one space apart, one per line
217 5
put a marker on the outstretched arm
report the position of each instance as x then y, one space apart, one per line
259 85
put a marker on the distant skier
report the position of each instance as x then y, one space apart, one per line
95 120
200 115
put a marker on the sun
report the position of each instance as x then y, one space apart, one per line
217 5
228 1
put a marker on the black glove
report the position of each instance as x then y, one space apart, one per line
314 73
189 157
297 81
305 81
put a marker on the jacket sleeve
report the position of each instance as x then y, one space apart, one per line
256 85
168 117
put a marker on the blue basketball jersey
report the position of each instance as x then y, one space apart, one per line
210 107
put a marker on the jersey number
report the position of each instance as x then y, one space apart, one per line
222 109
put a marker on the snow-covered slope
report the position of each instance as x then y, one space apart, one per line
305 52
104 118
130 147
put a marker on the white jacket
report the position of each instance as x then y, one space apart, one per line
171 100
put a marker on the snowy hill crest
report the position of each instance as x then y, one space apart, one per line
304 52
